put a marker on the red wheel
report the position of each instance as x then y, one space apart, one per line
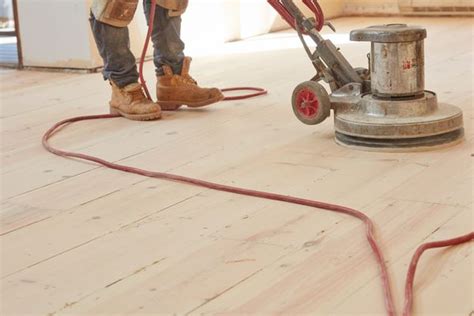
311 103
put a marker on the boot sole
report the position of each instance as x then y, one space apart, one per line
174 105
136 117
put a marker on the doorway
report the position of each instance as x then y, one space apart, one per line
10 46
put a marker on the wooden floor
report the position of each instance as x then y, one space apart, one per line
78 239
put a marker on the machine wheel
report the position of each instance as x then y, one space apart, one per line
311 103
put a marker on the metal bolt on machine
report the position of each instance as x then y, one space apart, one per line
385 107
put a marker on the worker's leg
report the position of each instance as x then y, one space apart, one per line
175 87
166 37
114 48
120 69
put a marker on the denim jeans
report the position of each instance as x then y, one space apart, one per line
114 46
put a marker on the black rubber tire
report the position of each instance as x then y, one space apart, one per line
323 108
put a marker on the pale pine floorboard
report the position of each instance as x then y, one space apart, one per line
78 239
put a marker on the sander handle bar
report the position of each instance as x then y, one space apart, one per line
330 64
289 17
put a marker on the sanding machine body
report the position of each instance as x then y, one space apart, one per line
382 107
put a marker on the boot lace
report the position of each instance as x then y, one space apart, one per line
187 79
137 95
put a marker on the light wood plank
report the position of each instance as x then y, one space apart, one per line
81 239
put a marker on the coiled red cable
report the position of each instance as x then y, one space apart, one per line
259 91
370 235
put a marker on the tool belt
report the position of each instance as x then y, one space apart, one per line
175 7
120 13
117 13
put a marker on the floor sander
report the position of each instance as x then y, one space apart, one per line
382 107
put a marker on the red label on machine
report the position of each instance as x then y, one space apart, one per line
409 64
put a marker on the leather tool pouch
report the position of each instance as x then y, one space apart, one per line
175 7
117 13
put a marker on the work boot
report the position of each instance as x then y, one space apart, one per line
173 90
130 102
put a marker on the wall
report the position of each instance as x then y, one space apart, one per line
56 37
407 7
437 7
359 7
220 21
56 33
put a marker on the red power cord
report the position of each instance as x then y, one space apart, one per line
151 21
389 302
313 5
414 262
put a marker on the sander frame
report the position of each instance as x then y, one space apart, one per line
384 107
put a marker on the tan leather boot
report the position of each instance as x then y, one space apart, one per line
131 102
173 90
